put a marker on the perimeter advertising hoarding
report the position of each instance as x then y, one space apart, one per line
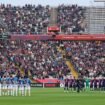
46 85
51 85
36 84
58 37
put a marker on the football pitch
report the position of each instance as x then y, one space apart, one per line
55 96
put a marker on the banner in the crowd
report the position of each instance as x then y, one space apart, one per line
53 28
59 37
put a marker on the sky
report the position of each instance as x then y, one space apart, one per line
51 2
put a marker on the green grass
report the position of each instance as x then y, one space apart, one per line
55 96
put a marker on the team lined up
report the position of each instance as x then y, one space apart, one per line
84 84
14 86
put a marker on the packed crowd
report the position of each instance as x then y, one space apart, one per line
29 19
1 30
71 19
88 58
41 59
38 59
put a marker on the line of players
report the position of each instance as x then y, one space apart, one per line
84 84
14 86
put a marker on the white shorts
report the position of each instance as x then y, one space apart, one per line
4 87
15 87
10 87
21 88
27 88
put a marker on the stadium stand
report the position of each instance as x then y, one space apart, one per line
35 56
29 19
42 59
88 58
71 18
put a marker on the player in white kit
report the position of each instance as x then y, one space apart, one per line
21 86
15 85
0 88
4 88
10 89
0 85
27 87
15 89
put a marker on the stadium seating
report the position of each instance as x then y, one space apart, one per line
29 19
87 57
43 59
71 19
38 57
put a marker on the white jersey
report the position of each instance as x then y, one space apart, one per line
10 86
15 86
4 86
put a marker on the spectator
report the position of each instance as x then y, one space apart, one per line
71 18
29 19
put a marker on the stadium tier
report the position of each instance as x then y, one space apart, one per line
42 59
29 19
71 19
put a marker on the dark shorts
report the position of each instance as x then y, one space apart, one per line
70 86
95 86
66 85
91 86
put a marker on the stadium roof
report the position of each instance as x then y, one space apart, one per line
50 2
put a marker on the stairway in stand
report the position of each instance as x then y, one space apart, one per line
53 18
23 74
69 64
